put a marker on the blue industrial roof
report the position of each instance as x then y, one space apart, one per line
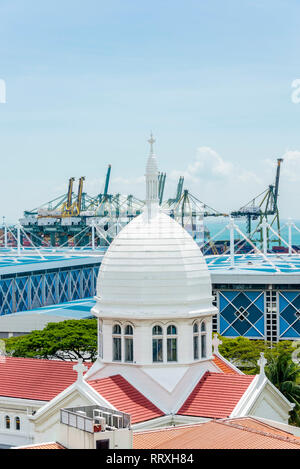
254 263
78 309
48 258
45 258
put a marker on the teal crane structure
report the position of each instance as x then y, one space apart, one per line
260 208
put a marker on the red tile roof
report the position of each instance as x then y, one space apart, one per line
216 395
213 435
224 367
253 423
122 395
43 446
37 379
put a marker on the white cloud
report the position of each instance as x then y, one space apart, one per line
209 165
219 182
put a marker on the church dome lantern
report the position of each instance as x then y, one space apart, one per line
153 268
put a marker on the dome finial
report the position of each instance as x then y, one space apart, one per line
151 181
151 141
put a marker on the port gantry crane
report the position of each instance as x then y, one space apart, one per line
69 208
260 208
77 217
189 211
161 186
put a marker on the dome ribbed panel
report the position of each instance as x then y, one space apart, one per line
153 266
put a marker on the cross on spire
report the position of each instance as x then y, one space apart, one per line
215 343
151 141
262 362
80 368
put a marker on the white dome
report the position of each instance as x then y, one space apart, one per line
153 269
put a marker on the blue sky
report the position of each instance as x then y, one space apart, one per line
87 81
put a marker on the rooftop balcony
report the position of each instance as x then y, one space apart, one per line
94 419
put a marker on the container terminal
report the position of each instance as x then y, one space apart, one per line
79 219
51 259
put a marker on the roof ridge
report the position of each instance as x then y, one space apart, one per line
227 364
55 360
229 375
260 423
106 377
258 432
172 427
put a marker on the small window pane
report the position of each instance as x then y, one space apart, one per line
17 423
129 350
157 330
203 327
203 346
128 330
117 356
157 350
116 329
172 350
7 422
196 347
195 328
171 330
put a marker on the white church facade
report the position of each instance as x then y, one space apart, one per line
156 357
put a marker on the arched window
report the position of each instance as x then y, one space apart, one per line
117 329
117 343
157 330
128 343
203 339
7 422
172 330
17 423
196 341
128 330
157 344
171 343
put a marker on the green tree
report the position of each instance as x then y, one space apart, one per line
284 373
65 340
279 348
243 352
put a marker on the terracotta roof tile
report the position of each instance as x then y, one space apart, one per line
212 435
224 366
126 398
216 395
43 446
37 379
253 423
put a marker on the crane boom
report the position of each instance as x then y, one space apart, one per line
161 186
178 192
79 195
70 191
107 180
179 188
279 161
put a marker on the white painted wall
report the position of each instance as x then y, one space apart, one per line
11 436
73 438
142 339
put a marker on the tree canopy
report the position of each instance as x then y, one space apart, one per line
65 340
244 353
284 374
